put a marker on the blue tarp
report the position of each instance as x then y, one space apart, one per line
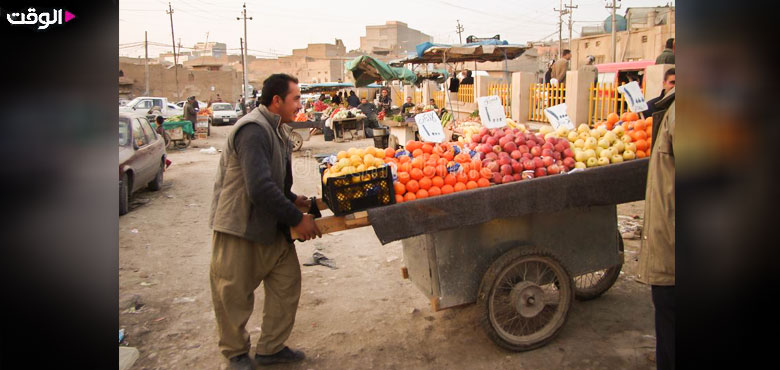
332 85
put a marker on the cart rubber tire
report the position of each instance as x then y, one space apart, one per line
606 278
124 195
392 142
492 306
297 141
157 183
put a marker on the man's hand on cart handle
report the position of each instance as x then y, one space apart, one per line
307 229
302 202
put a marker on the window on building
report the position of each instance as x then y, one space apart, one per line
586 45
598 43
644 39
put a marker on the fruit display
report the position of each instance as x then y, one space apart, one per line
639 130
320 106
446 119
343 113
354 161
301 117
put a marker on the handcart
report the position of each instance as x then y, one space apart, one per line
179 133
521 251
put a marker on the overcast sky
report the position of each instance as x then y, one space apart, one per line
280 26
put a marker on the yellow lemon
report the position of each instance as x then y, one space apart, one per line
378 162
355 179
368 158
344 162
351 151
380 154
371 150
348 170
355 160
360 152
361 167
342 154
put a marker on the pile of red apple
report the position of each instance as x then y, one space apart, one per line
514 156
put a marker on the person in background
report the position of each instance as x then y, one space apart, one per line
370 110
561 66
657 254
669 79
242 105
435 107
161 131
548 73
666 56
253 211
408 107
454 83
590 66
353 101
336 99
468 80
385 102
219 98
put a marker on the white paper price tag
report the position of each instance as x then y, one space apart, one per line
633 95
429 127
558 117
491 111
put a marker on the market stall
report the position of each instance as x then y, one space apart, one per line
522 226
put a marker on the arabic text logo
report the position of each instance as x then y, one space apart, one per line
43 20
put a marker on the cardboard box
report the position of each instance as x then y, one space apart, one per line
202 135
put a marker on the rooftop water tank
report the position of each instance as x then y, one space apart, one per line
620 21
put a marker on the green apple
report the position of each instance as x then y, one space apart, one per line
631 147
562 131
611 137
626 139
591 162
582 128
584 135
579 143
617 158
619 131
579 164
590 153
605 153
580 156
572 136
603 143
595 133
603 161
629 155
620 146
591 143
544 130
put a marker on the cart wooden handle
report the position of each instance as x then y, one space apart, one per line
320 204
332 224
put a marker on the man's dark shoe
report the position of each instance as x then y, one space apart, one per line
286 355
241 362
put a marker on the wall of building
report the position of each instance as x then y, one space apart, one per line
162 82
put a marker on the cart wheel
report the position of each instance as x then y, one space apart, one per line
525 298
392 142
594 284
297 141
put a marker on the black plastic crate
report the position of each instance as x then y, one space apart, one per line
359 191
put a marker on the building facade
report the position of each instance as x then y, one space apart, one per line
394 37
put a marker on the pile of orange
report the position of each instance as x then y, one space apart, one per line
639 130
426 173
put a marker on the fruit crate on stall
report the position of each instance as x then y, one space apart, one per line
359 191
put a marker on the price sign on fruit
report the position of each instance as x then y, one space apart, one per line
429 127
491 111
633 95
558 117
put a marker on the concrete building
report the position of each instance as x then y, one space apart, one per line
392 38
204 84
313 64
210 49
648 30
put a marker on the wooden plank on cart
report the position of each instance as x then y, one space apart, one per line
332 224
320 204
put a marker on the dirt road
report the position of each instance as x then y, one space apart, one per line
362 315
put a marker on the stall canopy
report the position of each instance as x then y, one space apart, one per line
366 69
483 51
332 86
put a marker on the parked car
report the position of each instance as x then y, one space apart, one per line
143 104
622 72
201 105
141 157
223 113
123 102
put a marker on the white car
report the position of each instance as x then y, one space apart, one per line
223 114
201 104
143 104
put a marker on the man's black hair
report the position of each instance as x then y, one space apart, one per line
160 119
669 72
468 73
670 43
276 84
566 52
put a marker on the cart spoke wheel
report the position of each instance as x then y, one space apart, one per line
526 298
297 141
594 284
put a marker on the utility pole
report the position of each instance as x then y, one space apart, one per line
459 30
614 31
173 43
561 13
569 10
243 93
246 48
146 64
